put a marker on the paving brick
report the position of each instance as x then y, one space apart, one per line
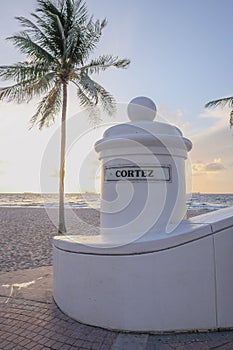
70 340
66 347
11 337
158 345
4 335
4 343
96 346
9 346
38 347
38 339
78 343
57 345
106 347
130 342
18 347
87 345
24 342
30 345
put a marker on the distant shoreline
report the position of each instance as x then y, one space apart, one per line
190 212
92 200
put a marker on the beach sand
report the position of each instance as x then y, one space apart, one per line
26 234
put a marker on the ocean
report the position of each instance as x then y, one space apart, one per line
92 200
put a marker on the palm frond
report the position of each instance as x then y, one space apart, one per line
94 93
70 10
75 18
48 108
72 42
222 102
85 101
87 85
106 100
31 48
76 12
231 119
99 26
58 21
48 9
81 40
76 30
24 71
104 62
52 41
36 33
25 90
51 18
89 37
94 114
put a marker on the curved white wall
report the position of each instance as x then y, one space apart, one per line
182 281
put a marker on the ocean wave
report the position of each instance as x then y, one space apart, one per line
86 200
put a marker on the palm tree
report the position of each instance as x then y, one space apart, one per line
58 42
222 102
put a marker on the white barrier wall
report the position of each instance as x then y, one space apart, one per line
179 282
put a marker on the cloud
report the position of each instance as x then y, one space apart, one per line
215 113
169 115
198 168
214 167
212 157
178 118
203 168
218 118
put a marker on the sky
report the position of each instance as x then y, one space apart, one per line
181 57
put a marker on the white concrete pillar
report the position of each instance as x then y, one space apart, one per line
143 175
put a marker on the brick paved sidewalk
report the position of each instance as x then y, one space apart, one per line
33 325
38 324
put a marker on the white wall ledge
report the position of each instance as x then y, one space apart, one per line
188 231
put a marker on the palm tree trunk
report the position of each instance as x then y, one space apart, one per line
62 227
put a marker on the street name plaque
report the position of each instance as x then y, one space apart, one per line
136 173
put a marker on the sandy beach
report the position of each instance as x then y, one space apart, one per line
26 235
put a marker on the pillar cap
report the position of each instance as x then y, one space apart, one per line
143 129
141 108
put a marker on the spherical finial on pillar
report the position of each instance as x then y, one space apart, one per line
141 109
